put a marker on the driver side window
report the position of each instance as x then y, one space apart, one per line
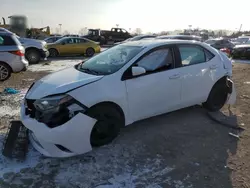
158 60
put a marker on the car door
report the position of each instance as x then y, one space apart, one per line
67 47
198 70
81 46
158 90
246 53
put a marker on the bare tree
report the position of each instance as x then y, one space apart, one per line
83 31
57 30
138 31
163 33
65 32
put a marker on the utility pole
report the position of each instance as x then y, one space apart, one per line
117 25
60 25
240 27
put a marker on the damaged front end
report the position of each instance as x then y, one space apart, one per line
53 111
57 125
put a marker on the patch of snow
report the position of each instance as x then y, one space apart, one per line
12 165
115 173
8 111
241 61
12 107
53 65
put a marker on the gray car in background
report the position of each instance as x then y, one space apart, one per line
52 39
220 43
11 55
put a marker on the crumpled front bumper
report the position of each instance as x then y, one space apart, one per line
73 135
232 92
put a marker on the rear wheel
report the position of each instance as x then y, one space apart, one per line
53 52
217 97
5 71
90 52
33 56
107 127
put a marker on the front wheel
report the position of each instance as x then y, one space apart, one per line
33 56
107 127
90 52
217 97
53 52
5 71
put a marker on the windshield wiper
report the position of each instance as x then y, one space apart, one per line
90 71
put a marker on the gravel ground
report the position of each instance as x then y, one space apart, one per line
182 149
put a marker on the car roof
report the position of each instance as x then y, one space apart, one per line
159 42
2 33
243 46
183 36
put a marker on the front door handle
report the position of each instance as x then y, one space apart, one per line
175 76
213 66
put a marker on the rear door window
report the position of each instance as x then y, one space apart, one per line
191 55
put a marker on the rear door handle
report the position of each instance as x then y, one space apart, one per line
175 76
213 67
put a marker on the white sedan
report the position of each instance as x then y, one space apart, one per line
71 111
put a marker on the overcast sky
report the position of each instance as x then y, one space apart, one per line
149 15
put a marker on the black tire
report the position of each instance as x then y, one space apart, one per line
33 56
90 52
217 97
107 127
53 52
5 71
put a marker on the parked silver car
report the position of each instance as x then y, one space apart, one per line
11 55
35 50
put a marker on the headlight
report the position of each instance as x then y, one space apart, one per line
52 102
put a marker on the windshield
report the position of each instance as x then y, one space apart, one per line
241 40
60 40
111 60
135 38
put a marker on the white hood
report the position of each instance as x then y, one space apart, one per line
60 82
26 42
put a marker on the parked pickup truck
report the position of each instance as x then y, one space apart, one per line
106 36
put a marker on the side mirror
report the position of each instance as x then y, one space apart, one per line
136 71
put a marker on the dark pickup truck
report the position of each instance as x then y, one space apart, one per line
106 36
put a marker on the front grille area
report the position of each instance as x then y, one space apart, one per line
52 118
30 108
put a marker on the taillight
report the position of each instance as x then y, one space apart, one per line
18 53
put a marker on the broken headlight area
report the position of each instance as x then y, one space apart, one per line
55 110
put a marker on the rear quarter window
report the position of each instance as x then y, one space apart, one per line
209 55
7 41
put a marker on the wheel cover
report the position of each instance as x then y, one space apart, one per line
89 51
52 53
3 72
33 57
104 128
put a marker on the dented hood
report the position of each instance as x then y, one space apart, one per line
60 82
